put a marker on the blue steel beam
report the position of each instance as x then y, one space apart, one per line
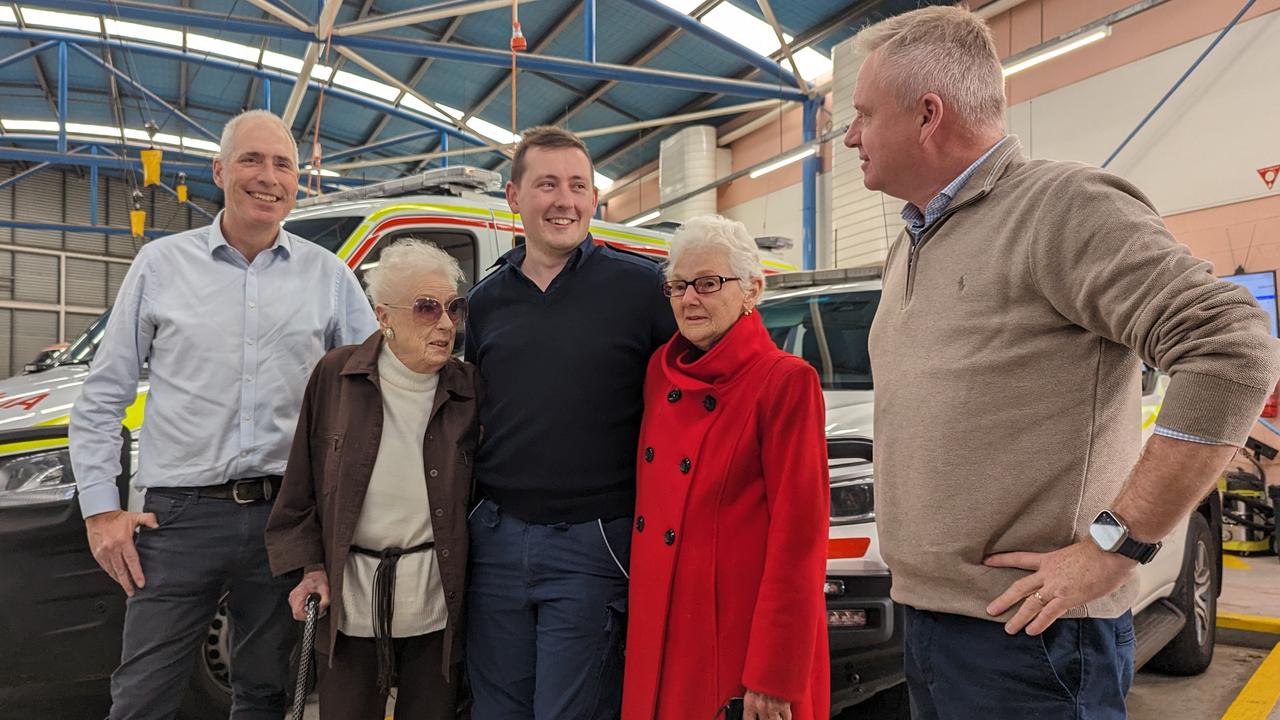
809 186
61 227
62 97
150 95
179 16
695 27
380 145
232 66
589 30
62 158
444 147
93 190
24 54
266 95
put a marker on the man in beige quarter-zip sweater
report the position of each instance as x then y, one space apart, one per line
1014 511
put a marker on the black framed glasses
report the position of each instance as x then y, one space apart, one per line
704 285
427 310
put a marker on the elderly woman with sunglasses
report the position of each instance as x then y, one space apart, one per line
373 505
729 549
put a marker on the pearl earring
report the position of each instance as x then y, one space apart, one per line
388 333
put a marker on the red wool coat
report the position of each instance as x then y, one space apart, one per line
728 550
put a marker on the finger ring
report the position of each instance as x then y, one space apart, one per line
1040 599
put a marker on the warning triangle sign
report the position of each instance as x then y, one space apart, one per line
1269 175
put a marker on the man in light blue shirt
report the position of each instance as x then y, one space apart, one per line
230 319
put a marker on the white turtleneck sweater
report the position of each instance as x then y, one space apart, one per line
396 512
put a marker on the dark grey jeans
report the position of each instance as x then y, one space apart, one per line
202 547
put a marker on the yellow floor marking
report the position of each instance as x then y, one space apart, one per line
1259 696
1252 623
1235 563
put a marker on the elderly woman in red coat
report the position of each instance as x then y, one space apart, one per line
728 552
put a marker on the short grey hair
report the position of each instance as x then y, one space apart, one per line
405 257
945 50
717 231
229 131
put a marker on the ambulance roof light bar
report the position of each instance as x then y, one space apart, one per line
452 178
815 278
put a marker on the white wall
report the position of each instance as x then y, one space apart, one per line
781 213
1204 146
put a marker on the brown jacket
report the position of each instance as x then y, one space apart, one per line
1006 357
334 448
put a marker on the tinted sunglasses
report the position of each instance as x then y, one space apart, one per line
427 310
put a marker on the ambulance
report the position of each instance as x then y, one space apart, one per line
62 615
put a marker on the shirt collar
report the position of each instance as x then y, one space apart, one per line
282 246
515 256
918 221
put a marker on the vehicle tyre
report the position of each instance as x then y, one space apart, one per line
209 694
1196 595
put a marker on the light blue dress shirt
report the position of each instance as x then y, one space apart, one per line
918 221
230 346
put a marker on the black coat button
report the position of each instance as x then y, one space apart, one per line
674 395
685 465
670 537
640 524
648 454
709 403
439 512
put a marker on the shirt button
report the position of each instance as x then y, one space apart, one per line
670 537
248 379
439 512
451 595
434 472
685 465
640 524
674 395
252 306
709 403
244 418
249 341
648 454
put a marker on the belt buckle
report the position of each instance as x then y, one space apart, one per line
235 492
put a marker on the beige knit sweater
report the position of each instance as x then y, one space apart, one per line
1006 357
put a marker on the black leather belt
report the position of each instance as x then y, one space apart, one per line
384 601
243 490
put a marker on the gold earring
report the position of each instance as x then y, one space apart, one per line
388 333
748 311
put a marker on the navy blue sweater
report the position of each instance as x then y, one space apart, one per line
564 373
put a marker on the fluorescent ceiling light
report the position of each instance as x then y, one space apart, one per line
29 125
322 172
280 61
204 43
198 144
783 162
61 20
366 86
1060 49
7 16
87 129
146 33
643 218
413 103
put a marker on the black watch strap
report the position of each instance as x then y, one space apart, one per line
1140 551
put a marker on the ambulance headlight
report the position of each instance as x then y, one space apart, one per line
853 498
40 479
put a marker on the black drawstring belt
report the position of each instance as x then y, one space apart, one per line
384 600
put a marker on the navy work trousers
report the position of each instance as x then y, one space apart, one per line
546 617
959 668
203 547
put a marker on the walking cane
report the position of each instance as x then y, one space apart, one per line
304 658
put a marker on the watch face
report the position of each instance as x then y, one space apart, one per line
1107 532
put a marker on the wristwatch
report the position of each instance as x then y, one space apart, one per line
1111 534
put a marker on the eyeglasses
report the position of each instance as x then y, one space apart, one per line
427 310
704 285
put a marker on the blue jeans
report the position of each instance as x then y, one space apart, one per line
203 547
546 617
961 668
